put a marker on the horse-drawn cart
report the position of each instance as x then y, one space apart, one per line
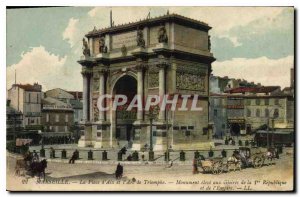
214 165
254 156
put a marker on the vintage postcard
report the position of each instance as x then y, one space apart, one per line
150 99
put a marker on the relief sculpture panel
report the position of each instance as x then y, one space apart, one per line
153 80
95 109
96 84
193 82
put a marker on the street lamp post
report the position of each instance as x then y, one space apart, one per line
275 115
167 151
169 122
272 144
268 143
151 134
153 112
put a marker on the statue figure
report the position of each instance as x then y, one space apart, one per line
85 47
140 38
124 50
94 30
102 47
162 35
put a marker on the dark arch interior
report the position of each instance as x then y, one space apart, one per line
126 85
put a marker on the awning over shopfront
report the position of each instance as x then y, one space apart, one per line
277 131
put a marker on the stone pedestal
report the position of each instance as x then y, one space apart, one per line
139 50
102 55
86 139
162 45
140 137
101 135
161 136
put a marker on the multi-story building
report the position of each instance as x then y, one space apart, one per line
219 85
14 122
70 97
27 100
246 110
57 117
218 114
235 115
263 110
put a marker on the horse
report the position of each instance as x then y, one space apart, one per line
38 167
235 162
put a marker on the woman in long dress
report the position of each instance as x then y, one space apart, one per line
195 167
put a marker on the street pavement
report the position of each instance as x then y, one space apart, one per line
94 176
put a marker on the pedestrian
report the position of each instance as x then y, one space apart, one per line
119 171
143 157
76 154
123 150
35 157
129 158
52 152
73 158
195 166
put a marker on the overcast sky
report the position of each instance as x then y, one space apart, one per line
252 43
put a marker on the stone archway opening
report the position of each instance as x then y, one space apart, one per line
126 85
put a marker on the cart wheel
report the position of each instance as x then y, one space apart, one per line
217 168
225 168
258 162
262 163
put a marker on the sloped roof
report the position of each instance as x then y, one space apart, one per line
59 93
53 101
263 89
28 87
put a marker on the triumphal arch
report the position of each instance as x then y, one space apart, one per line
167 55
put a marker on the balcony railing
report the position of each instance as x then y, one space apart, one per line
57 107
235 106
33 114
34 127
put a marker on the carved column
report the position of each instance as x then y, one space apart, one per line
85 82
102 114
90 98
86 94
140 89
91 46
162 87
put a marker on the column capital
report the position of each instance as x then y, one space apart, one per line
141 67
86 73
103 70
162 65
